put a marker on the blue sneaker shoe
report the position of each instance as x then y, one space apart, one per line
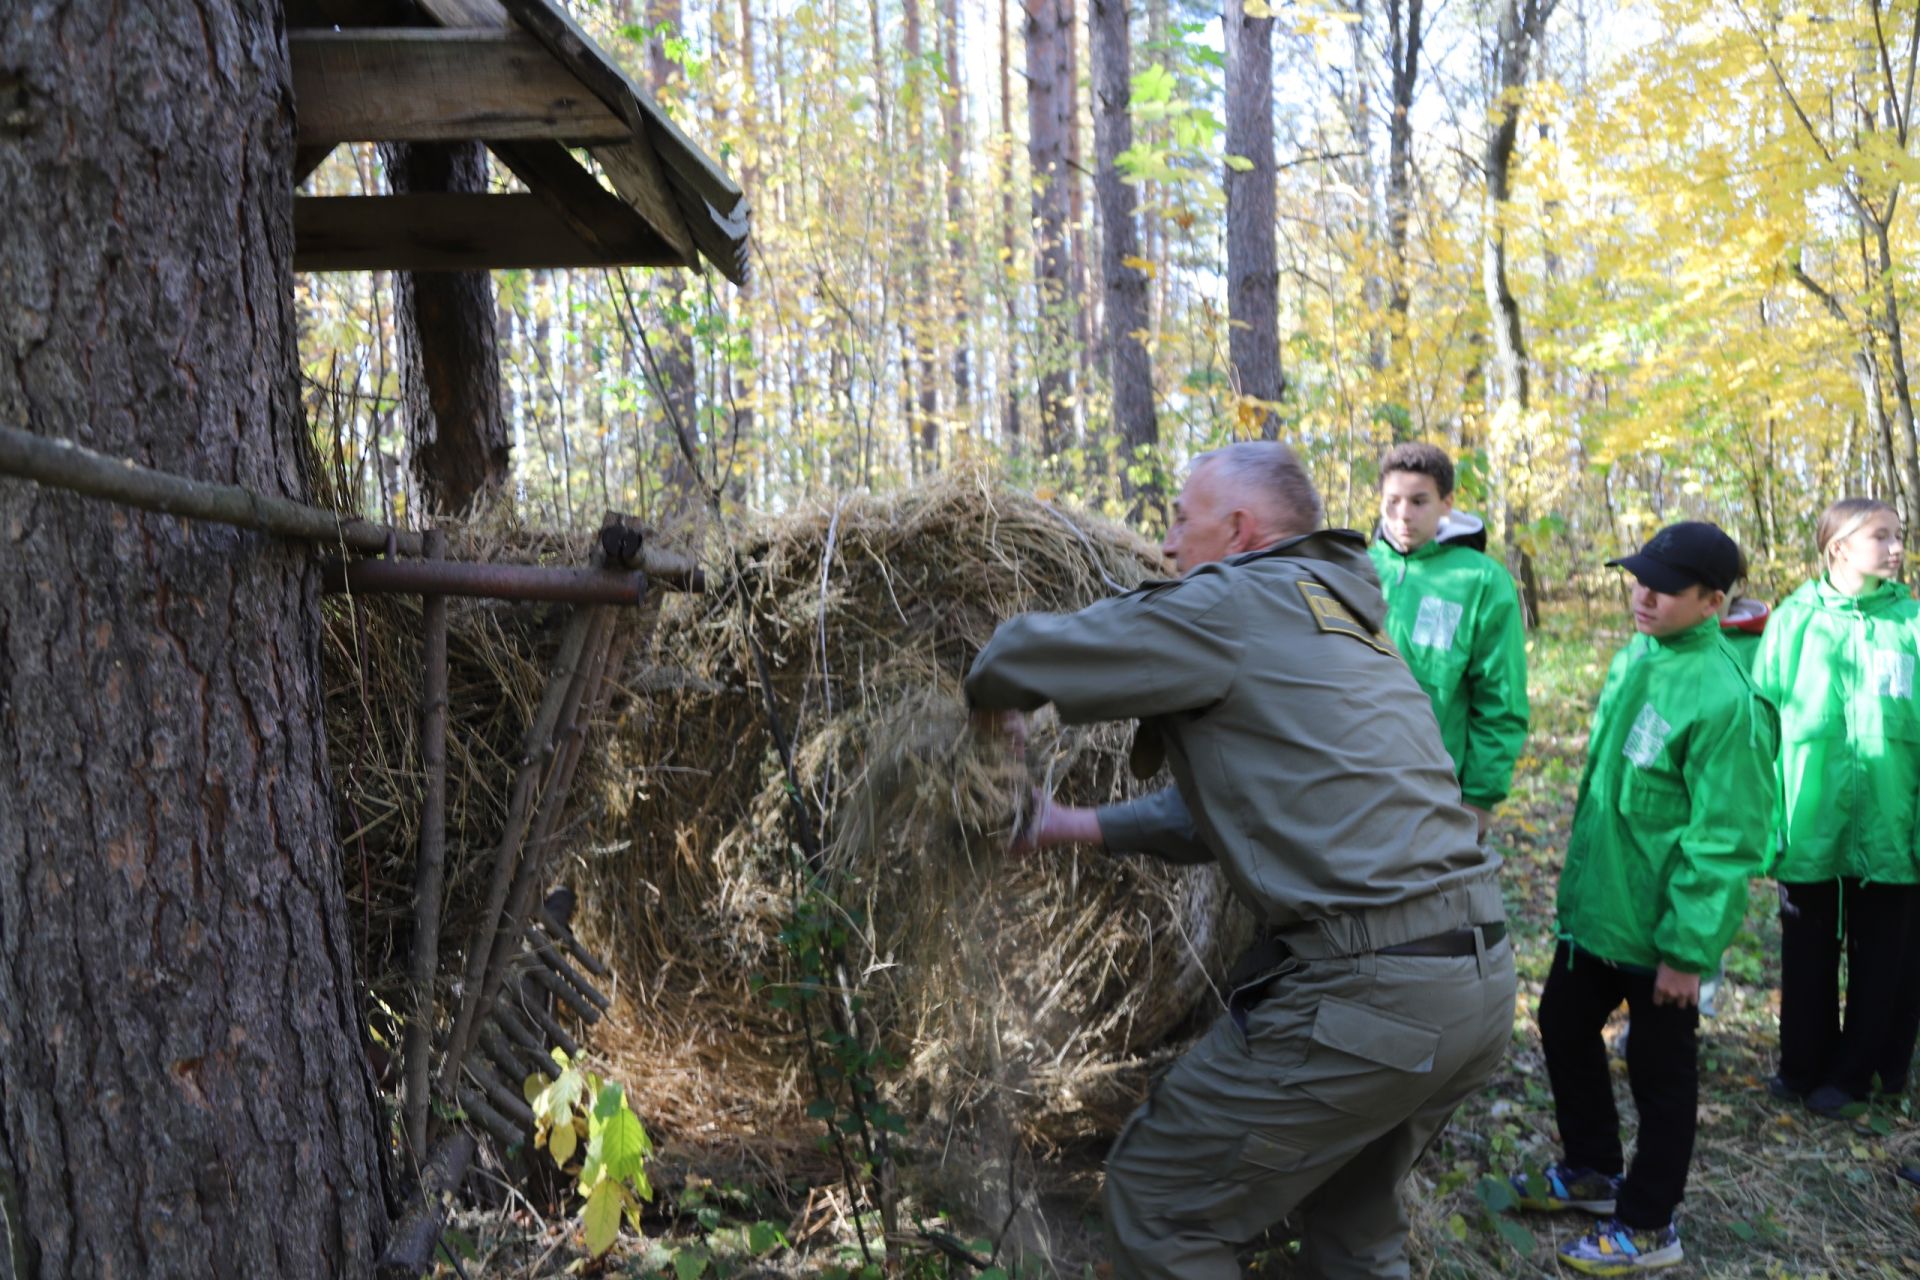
1614 1249
1559 1187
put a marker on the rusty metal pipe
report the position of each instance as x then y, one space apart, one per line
497 581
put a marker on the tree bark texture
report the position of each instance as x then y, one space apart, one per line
917 321
183 1087
953 122
1125 286
1521 25
1404 37
1253 267
1010 391
449 348
1047 96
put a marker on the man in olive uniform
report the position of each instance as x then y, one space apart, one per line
1307 762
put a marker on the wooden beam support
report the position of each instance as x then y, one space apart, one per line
434 84
629 160
442 232
307 159
596 215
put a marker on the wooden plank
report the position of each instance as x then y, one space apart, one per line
596 215
677 156
442 232
631 163
635 173
308 159
431 84
600 73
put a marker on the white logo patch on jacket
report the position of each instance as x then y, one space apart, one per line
1438 619
1648 735
1892 673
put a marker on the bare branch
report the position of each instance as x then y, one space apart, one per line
1827 300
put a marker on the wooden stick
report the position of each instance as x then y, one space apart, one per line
549 955
565 937
61 464
536 759
430 875
537 1011
504 1096
475 1104
521 1033
503 941
410 1249
563 991
510 1057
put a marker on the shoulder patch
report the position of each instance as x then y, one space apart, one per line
1330 615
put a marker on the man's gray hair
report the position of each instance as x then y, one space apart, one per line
1273 472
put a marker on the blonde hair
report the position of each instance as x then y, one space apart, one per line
1843 519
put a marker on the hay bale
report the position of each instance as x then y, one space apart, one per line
1026 983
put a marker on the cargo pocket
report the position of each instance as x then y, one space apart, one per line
1271 1152
1360 1055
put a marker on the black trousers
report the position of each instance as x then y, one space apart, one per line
1875 923
1663 1069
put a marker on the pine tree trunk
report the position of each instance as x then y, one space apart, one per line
449 352
1404 37
183 1086
1125 285
1010 414
1253 270
953 104
1047 149
1521 25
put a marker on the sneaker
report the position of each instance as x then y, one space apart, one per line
1834 1103
1613 1248
1781 1089
1560 1187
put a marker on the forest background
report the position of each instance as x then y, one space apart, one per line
1630 261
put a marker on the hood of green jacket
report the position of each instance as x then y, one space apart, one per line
1842 671
1673 813
1454 614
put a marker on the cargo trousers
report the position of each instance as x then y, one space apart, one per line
1345 1070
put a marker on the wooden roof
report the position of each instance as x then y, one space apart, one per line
522 77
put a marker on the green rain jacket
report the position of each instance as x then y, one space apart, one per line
1674 810
1453 613
1841 669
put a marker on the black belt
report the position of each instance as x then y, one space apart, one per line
1461 942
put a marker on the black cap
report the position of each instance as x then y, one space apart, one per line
1683 554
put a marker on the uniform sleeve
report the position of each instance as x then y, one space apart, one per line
1155 652
1729 773
1496 699
1158 823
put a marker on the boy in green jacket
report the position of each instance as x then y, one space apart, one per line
1453 613
1673 817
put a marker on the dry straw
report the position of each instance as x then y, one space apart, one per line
1037 986
1034 991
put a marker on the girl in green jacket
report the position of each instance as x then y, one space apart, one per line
1838 658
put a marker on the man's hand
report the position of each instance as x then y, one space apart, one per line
1056 824
1482 816
1011 725
1670 986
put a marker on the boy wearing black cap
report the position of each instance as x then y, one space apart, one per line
1673 817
